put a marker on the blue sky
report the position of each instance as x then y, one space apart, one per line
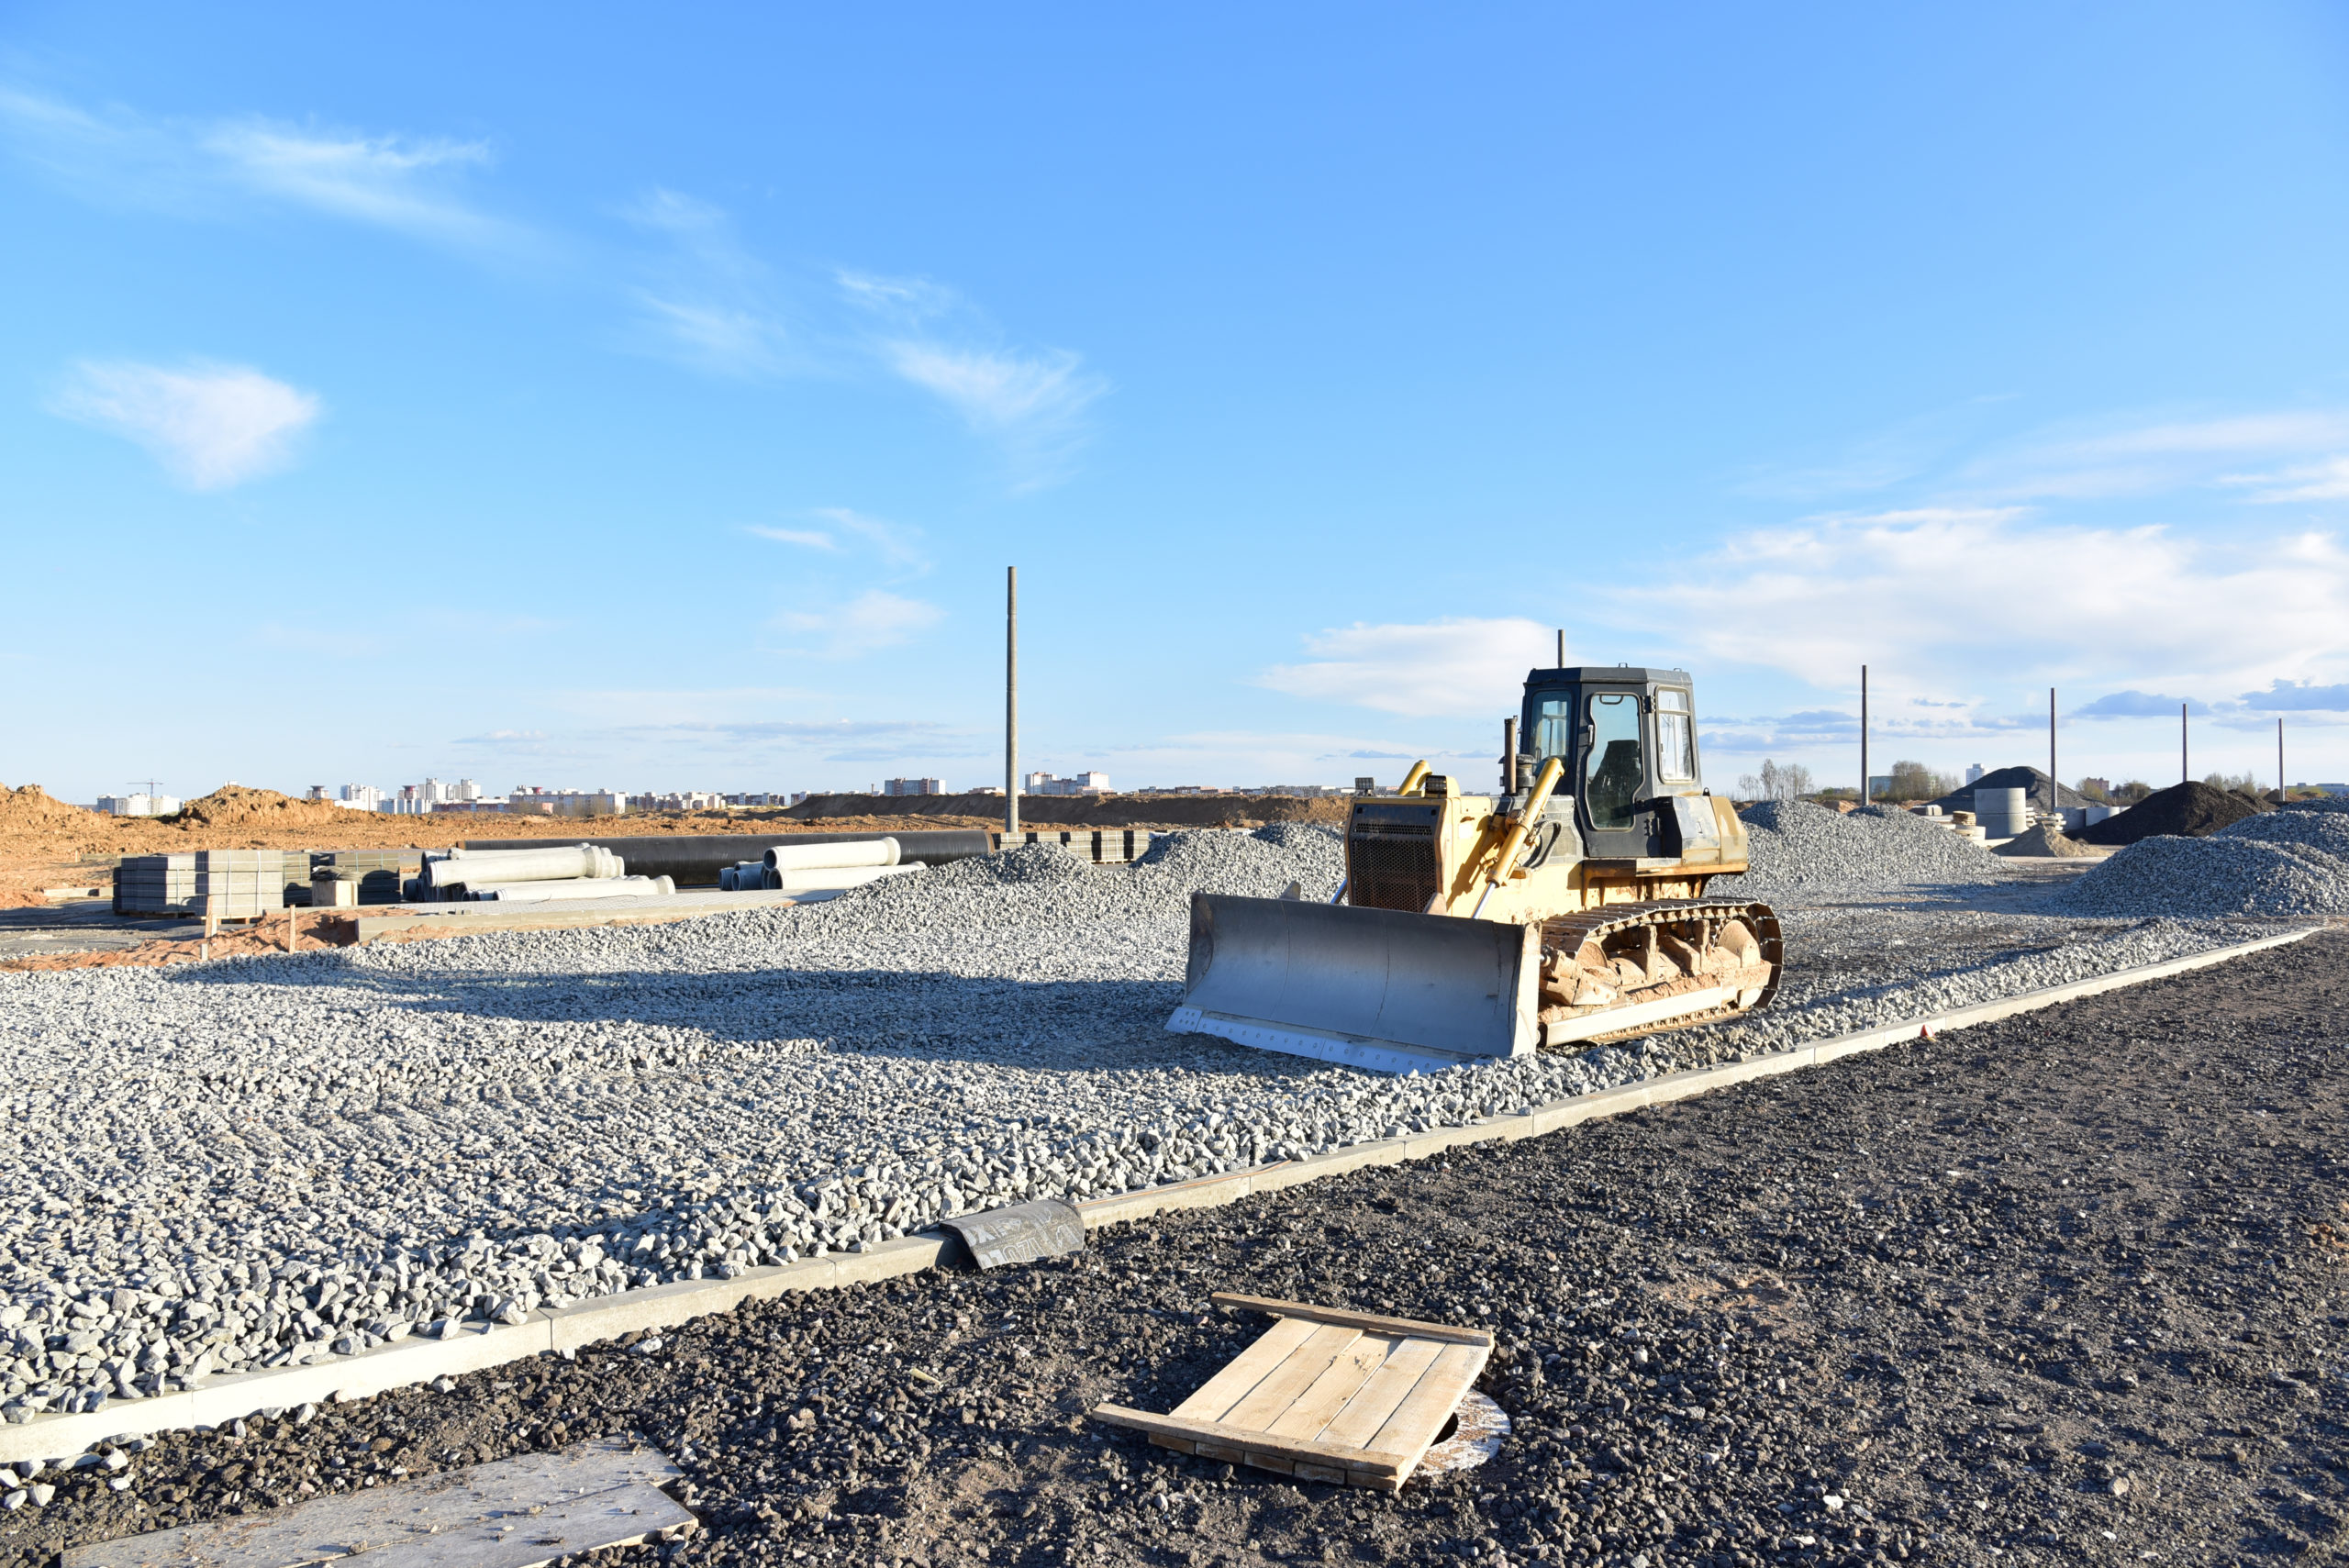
570 397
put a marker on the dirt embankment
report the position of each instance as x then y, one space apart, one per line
44 843
1086 810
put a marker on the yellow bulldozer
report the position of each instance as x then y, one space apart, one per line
1568 908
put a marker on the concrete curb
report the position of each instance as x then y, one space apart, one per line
412 1361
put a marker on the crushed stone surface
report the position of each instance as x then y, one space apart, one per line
273 1160
2324 830
1800 852
2058 1290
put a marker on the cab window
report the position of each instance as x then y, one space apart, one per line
1676 736
1614 773
1553 730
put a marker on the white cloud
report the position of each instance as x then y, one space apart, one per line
380 180
873 619
1949 454
805 537
203 167
1034 402
2147 457
2326 481
896 543
710 303
210 425
1438 669
999 391
1951 600
907 299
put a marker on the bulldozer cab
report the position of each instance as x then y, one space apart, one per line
1627 738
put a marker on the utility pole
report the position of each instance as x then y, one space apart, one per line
1012 708
2280 761
2184 772
1863 735
2055 790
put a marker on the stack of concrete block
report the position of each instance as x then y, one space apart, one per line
155 884
241 884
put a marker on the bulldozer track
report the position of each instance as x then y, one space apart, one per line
1568 934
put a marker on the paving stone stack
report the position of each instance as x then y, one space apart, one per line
241 884
155 884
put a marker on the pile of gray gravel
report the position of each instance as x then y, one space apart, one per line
266 1161
2324 830
1799 850
2248 868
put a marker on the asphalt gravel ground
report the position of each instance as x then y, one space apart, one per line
2065 1289
279 1160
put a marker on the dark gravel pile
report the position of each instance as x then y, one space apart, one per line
2068 1289
2189 810
2030 780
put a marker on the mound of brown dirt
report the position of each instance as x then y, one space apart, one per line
31 806
234 806
1089 810
2189 810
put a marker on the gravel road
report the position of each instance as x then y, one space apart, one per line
2068 1289
276 1161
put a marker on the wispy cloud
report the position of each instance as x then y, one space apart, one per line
1431 669
211 426
2326 481
207 166
807 539
1925 592
895 545
1949 455
2138 458
709 302
1034 402
873 620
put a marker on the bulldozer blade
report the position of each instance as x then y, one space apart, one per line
1381 989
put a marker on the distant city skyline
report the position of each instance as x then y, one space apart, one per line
661 398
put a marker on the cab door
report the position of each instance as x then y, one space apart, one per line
1614 776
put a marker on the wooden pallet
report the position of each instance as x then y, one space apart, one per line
1324 1395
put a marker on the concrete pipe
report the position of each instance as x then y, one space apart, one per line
2003 813
581 887
788 858
832 879
696 859
568 863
